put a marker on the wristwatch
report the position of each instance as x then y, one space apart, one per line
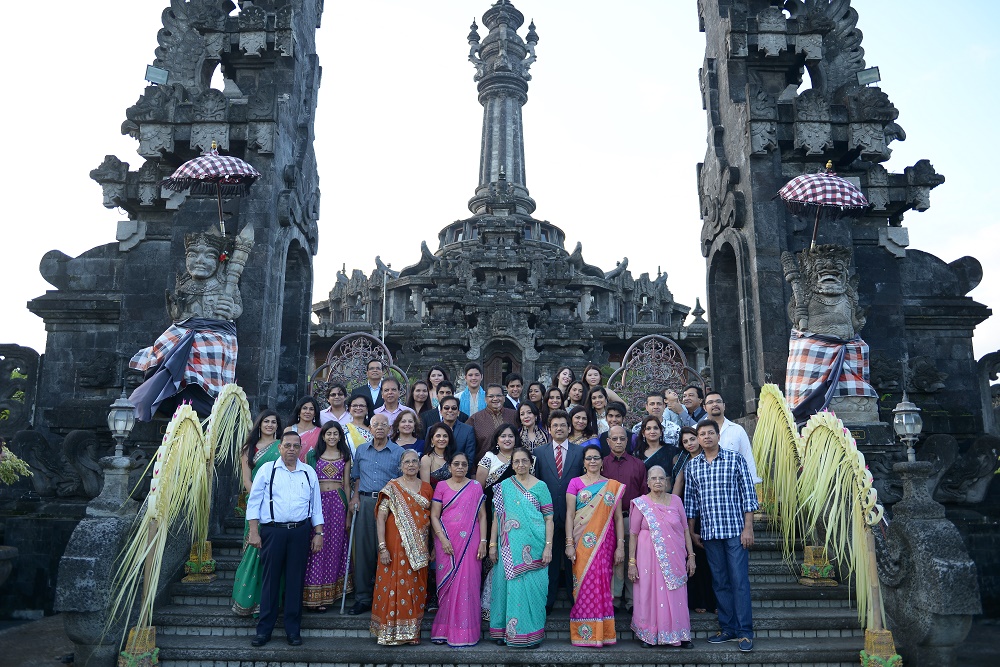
320 534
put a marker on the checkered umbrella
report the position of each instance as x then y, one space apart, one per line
825 193
211 173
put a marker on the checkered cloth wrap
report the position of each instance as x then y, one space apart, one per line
811 359
823 190
211 363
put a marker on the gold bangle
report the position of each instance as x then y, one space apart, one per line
631 561
493 545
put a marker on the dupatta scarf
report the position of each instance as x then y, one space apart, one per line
413 517
660 532
595 509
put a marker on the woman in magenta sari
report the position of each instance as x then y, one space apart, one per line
594 519
458 518
660 561
305 422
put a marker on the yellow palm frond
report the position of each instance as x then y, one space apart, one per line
228 425
776 449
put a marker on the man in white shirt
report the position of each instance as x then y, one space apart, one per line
374 371
336 396
732 437
283 509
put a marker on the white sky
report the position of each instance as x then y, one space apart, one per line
613 130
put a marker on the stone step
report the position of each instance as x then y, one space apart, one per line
220 622
181 651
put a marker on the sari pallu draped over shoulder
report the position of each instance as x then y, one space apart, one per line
401 586
592 618
457 621
521 526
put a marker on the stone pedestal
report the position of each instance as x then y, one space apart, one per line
114 499
928 580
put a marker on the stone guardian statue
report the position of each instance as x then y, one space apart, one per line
828 362
196 356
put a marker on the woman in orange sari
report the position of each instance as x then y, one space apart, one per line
403 516
594 519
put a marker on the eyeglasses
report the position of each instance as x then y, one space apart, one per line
493 397
359 406
288 445
448 408
459 464
714 402
335 395
591 458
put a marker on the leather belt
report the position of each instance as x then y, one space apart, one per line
370 494
287 524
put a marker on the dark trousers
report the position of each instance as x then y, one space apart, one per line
730 565
283 551
560 569
365 550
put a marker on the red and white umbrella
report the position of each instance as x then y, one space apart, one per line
825 192
213 173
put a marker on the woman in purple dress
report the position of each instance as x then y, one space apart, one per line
327 571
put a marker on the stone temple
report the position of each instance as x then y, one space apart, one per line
501 288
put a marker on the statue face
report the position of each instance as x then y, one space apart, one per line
201 261
831 277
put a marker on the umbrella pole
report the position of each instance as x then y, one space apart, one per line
222 224
811 247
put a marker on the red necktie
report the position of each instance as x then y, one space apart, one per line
559 460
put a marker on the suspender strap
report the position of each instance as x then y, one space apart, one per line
270 489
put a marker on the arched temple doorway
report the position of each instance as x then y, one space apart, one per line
500 359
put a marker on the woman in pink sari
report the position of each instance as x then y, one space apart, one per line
458 518
594 519
661 559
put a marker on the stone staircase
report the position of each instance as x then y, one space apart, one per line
795 626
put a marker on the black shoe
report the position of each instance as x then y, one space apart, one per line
501 642
260 640
686 644
359 608
295 641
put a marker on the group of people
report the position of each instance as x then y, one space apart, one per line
482 504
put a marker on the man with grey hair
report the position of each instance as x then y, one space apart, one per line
374 464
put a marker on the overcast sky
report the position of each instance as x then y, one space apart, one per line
613 130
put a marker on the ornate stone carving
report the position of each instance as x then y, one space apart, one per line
181 48
347 363
763 120
652 363
928 581
155 139
772 39
203 135
261 136
921 178
824 293
67 471
204 291
102 370
813 131
18 379
111 174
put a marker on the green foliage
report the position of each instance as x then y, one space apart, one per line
11 467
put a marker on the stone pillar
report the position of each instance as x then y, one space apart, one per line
928 580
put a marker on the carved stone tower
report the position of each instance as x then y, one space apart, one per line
502 62
501 288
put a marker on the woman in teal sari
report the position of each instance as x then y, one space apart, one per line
261 447
521 549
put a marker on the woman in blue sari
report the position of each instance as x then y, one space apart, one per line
521 549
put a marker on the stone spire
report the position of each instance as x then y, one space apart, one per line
502 62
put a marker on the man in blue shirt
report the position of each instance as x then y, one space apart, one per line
374 464
718 488
283 508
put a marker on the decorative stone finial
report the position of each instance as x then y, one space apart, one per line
474 33
532 37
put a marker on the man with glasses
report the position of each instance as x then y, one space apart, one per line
732 437
621 466
615 414
336 396
283 510
433 416
485 422
374 464
375 370
465 437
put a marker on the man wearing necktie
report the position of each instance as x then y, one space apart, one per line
556 464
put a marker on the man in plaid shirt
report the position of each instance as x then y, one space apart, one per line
719 489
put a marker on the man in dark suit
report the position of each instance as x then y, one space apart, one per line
549 458
515 385
465 437
433 416
375 370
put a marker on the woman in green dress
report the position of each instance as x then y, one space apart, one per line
261 447
521 549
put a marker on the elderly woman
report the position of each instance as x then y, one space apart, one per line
661 559
521 537
402 520
594 519
458 517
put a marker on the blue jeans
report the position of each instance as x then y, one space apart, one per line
730 565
